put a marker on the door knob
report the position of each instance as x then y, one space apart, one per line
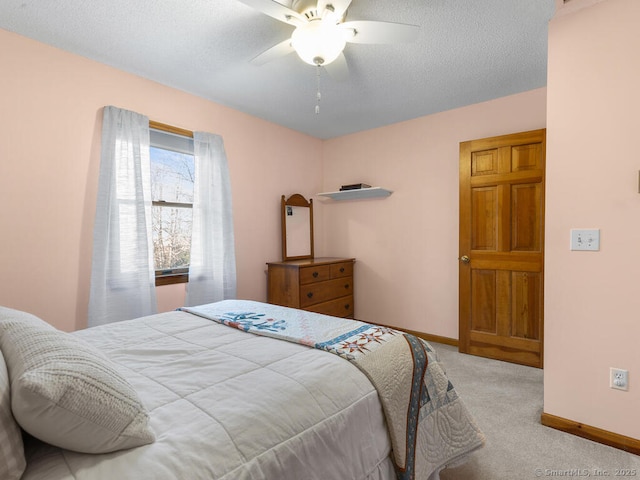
465 259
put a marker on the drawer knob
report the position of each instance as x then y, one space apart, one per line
346 285
346 306
315 274
310 294
341 269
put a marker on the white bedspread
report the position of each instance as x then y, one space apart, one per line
429 425
229 405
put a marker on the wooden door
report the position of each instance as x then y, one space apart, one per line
502 247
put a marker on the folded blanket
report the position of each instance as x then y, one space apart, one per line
429 426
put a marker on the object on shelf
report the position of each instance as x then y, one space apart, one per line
354 186
370 192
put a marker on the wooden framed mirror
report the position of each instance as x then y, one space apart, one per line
297 228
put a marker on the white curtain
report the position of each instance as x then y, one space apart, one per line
122 275
212 269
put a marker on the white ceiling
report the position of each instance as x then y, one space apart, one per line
468 51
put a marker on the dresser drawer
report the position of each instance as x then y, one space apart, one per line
342 270
324 291
340 307
317 273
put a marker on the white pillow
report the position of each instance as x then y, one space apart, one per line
66 392
12 462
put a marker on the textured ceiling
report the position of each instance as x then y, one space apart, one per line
468 51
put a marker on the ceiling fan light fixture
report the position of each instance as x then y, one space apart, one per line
318 42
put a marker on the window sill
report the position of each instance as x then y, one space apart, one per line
171 279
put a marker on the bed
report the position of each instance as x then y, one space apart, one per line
232 390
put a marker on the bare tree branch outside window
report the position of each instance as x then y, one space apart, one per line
172 176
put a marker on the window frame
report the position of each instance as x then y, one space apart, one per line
174 275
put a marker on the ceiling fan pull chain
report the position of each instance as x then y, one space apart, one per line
318 95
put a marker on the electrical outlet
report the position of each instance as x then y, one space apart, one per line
619 379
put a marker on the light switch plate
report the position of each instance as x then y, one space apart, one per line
585 239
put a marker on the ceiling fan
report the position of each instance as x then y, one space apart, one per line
321 32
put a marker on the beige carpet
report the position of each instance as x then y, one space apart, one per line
506 400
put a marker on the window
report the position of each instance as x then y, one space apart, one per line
172 182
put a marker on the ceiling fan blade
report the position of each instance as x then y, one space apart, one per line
277 11
277 51
338 69
365 31
339 7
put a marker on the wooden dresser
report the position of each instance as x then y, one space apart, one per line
322 285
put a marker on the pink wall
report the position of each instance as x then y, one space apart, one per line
406 245
591 298
50 125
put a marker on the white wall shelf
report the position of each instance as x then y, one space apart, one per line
370 192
